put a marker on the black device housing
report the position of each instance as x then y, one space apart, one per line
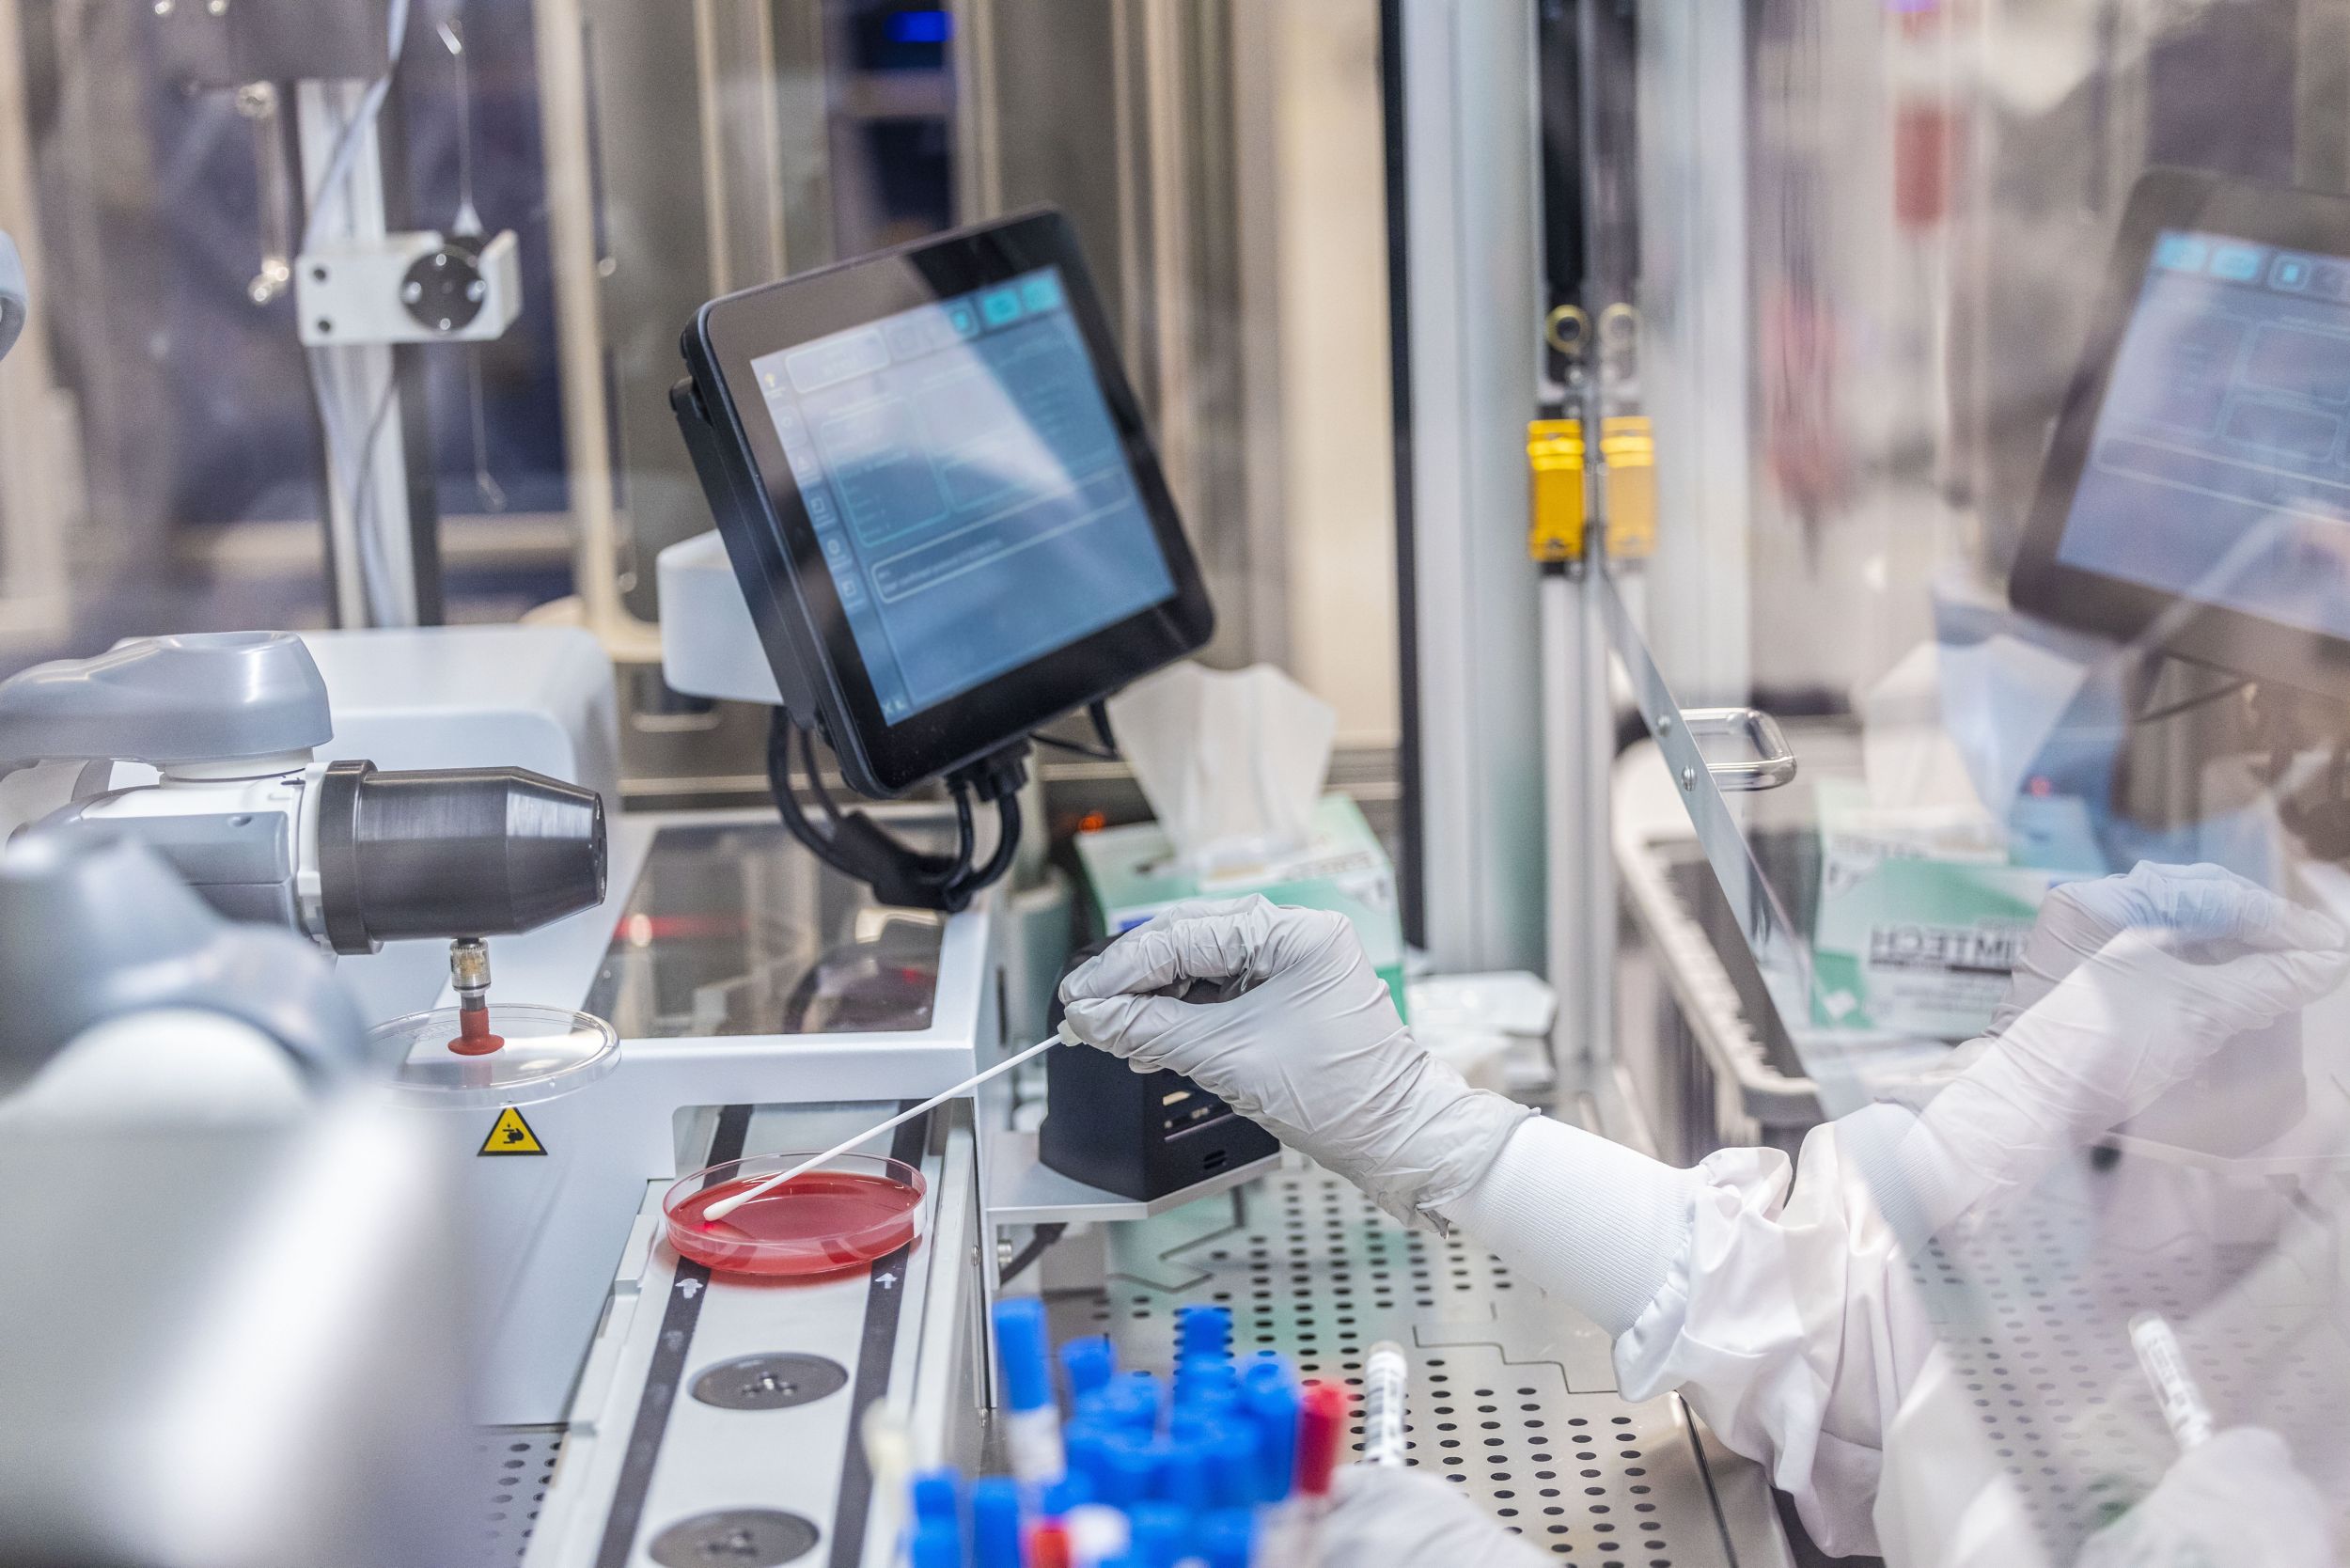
779 562
453 851
1141 1135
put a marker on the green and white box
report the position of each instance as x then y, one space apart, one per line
1133 873
1920 918
1923 947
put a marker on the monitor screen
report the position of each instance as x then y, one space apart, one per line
968 486
2217 470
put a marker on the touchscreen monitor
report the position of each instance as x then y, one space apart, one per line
960 467
939 497
2198 489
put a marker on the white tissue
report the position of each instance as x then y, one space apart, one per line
1232 762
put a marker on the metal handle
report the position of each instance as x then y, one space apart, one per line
1770 762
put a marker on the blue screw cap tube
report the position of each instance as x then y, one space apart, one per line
1184 1474
1071 1491
1087 1444
1234 1461
1273 1411
1227 1538
1089 1364
996 1521
938 1499
936 1546
1149 1396
1158 1534
1031 1422
1130 1470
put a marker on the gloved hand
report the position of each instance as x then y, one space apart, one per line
2186 905
2235 1501
1387 1518
2126 987
1314 1050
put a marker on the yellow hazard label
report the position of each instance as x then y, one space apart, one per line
512 1135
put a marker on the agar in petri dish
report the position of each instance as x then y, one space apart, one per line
859 1208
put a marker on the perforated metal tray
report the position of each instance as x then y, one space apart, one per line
514 1464
1512 1397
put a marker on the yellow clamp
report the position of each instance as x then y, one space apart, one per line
1629 451
1554 452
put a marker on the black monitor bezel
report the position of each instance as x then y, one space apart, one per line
780 564
2043 584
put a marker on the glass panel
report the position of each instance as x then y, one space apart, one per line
192 435
736 930
1998 360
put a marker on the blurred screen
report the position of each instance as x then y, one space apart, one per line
968 486
2217 471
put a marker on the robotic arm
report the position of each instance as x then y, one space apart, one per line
242 807
12 295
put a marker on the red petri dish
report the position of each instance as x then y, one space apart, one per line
855 1208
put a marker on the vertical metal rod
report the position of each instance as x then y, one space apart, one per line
575 254
1567 937
1597 755
357 383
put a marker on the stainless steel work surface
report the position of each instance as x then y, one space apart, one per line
1513 1395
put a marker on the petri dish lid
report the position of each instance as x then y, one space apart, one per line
548 1051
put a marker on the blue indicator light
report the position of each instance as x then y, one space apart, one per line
2181 253
2236 263
921 28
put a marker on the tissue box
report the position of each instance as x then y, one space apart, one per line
1133 874
1920 917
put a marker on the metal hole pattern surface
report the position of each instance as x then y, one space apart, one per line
515 1463
2035 1315
1313 1270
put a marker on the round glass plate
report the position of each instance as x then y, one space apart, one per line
848 1212
548 1051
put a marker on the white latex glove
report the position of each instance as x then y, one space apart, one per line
2126 988
1314 1050
2236 1501
2186 905
1389 1518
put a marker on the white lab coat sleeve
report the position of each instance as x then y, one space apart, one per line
1789 1322
1771 1295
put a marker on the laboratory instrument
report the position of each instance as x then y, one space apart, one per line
1140 1135
945 514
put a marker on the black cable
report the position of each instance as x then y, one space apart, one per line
1045 1236
816 778
862 851
786 803
1006 843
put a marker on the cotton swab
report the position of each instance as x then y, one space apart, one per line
727 1205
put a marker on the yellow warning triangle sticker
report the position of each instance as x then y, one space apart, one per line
512 1135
